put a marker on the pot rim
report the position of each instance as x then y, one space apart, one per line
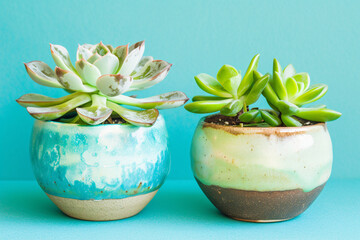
237 130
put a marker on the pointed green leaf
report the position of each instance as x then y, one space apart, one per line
136 52
61 57
42 74
287 108
270 95
83 52
54 112
206 106
302 78
257 89
107 64
290 121
72 81
211 85
229 78
248 79
279 87
276 66
291 87
270 119
121 53
145 118
113 84
289 71
88 72
206 98
38 100
162 101
318 114
232 108
316 92
249 116
97 113
151 74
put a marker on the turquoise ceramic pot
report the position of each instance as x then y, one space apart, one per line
102 172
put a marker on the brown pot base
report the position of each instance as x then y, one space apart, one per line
255 206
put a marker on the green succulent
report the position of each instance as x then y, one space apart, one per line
288 91
231 93
97 82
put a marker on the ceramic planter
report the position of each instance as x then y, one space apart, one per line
261 174
102 172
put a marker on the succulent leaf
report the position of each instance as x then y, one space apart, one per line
87 71
287 108
316 92
72 81
270 119
107 64
270 95
303 79
162 101
97 113
206 106
276 66
38 100
211 85
151 74
144 118
318 114
113 84
257 89
54 112
121 53
83 53
290 121
229 78
248 78
101 49
93 58
144 61
279 87
289 71
232 108
291 87
61 57
249 116
136 52
206 98
42 74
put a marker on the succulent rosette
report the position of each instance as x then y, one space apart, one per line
97 83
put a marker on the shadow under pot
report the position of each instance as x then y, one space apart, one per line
103 172
261 174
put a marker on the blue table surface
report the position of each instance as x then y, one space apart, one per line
179 211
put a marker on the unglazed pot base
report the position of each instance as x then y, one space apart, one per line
102 210
256 206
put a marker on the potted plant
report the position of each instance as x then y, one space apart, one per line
261 165
94 158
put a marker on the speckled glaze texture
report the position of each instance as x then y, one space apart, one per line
99 162
262 159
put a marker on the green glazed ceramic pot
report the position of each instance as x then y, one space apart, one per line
102 172
261 174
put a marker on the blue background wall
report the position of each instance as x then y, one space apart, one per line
320 37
